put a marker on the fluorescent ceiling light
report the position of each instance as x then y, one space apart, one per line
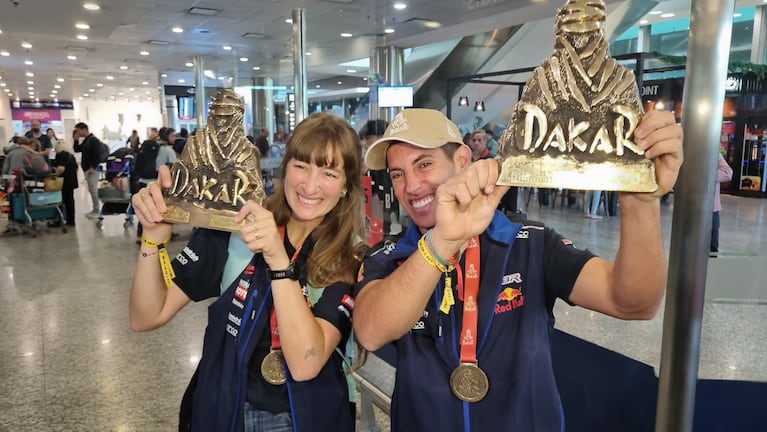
72 57
202 11
400 6
91 6
667 15
26 45
144 53
389 30
177 30
346 35
82 26
226 48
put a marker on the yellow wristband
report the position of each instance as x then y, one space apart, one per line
167 269
426 254
151 243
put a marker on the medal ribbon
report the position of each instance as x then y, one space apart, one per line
273 316
470 310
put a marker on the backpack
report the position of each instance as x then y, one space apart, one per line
103 151
145 165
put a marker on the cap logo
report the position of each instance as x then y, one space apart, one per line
450 131
398 125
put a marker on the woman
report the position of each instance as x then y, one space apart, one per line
317 209
66 166
133 141
54 139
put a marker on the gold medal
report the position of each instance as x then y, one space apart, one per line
469 383
272 368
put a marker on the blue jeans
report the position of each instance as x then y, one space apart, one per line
257 420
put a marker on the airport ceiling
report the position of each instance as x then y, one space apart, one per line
130 44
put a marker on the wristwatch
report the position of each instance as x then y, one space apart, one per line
288 273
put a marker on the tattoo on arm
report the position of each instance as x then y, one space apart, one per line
309 353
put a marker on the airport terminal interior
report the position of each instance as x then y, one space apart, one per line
70 361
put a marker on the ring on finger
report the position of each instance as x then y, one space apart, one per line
255 235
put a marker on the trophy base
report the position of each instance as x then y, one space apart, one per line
181 212
548 172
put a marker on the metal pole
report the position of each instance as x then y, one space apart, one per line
709 46
299 64
199 92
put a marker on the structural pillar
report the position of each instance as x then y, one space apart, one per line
643 39
708 55
299 64
199 91
386 68
263 104
758 40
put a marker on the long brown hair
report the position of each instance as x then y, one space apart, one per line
338 250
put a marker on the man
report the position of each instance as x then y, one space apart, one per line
91 158
492 144
485 339
262 143
479 148
35 131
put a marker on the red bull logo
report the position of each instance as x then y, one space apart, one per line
509 299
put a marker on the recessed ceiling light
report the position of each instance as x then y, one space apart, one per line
30 88
181 81
340 82
144 82
71 57
399 6
147 92
30 74
124 67
226 48
29 62
644 22
656 12
308 53
54 91
132 89
666 15
4 53
26 45
189 64
82 37
737 15
389 30
3 84
289 20
60 79
351 70
346 35
91 6
56 86
144 53
243 59
432 24
86 94
30 83
256 67
92 90
121 94
110 77
82 26
177 30
164 75
317 86
99 85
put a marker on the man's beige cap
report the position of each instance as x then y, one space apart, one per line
425 128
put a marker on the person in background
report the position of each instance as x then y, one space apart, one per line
35 131
283 285
591 204
90 146
478 142
262 143
723 174
133 141
468 295
51 134
66 166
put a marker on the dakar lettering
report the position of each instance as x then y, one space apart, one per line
203 188
570 140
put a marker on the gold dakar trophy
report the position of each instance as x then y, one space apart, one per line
573 126
218 171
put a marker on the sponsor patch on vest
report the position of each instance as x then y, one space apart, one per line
509 299
238 303
232 330
523 234
234 319
567 242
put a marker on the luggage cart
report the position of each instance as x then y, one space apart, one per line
114 189
30 204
